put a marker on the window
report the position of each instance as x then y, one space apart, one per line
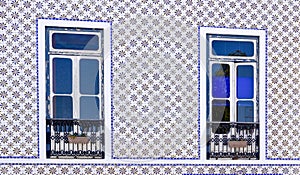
75 95
76 75
232 61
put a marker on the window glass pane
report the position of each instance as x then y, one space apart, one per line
245 111
221 113
221 110
245 82
62 76
74 41
62 107
220 81
232 48
89 108
89 76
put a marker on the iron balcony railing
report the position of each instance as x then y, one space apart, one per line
75 138
232 140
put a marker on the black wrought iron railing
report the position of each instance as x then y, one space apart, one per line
233 140
74 138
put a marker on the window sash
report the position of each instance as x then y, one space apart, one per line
233 99
83 48
242 40
78 98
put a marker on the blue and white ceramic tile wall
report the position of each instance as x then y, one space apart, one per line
155 79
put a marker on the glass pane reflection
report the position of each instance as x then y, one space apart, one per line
221 110
62 107
245 111
89 108
62 76
233 48
245 82
72 41
220 80
89 76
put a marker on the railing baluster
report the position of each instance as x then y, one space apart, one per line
60 147
243 137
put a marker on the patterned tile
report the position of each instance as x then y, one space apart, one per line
111 169
155 71
159 89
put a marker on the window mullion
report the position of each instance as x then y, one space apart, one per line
233 92
76 94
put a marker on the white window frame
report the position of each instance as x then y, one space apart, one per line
203 49
106 27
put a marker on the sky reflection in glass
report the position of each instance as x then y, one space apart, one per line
245 111
232 48
62 76
72 41
89 107
62 107
89 76
245 82
220 81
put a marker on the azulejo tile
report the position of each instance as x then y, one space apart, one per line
155 71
